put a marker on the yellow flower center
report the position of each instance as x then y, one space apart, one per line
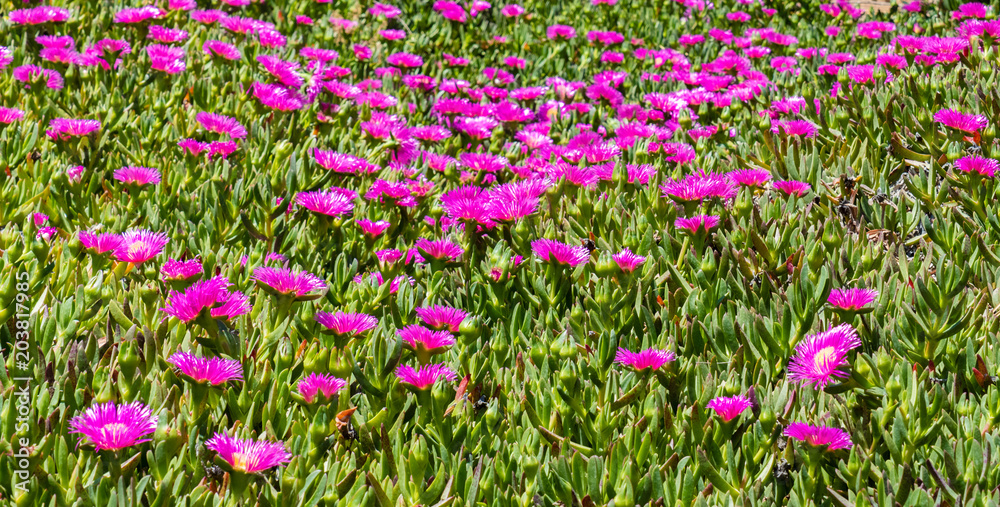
239 462
823 357
136 246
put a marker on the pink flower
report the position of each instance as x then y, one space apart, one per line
140 176
426 376
39 15
100 243
819 436
560 32
212 295
442 317
560 253
166 35
652 359
793 187
439 249
138 15
204 370
973 164
180 270
970 123
374 229
346 324
392 34
404 60
800 128
10 115
248 456
207 17
288 282
221 124
426 341
750 177
381 9
31 73
321 384
139 245
325 203
222 49
698 187
851 299
166 58
696 223
109 426
466 203
628 261
276 97
511 10
192 146
729 408
820 357
75 173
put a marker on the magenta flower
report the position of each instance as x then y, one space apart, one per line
973 164
325 203
221 124
425 341
851 299
628 261
560 32
442 317
511 11
180 270
652 359
166 35
10 115
560 253
134 175
466 203
100 243
970 123
750 177
204 370
31 73
222 49
793 187
513 201
439 249
381 9
820 357
212 295
798 128
729 408
319 384
288 282
696 223
404 60
426 376
139 245
277 97
138 15
246 455
167 59
38 15
699 186
349 325
819 436
374 229
65 128
112 427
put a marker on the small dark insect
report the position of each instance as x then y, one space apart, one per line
36 156
589 243
481 403
214 473
848 182
348 432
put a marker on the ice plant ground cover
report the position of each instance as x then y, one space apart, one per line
577 253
